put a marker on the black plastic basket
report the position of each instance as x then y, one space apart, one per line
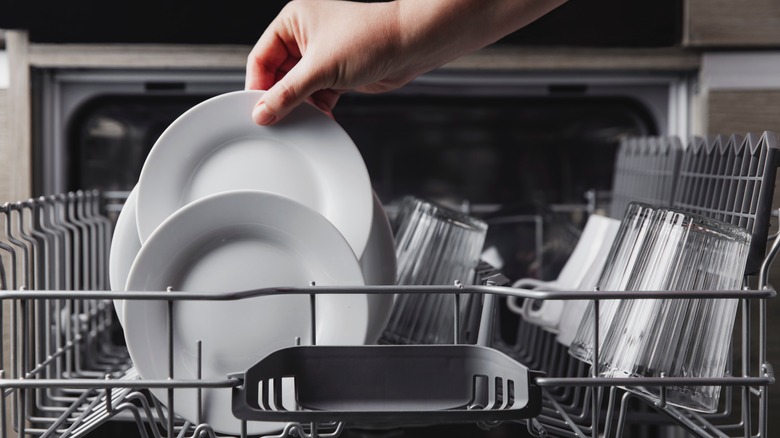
388 384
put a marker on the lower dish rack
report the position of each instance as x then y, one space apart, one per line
67 373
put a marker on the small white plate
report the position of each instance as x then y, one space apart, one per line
379 269
216 147
125 245
231 242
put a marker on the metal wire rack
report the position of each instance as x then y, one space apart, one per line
731 179
66 371
646 170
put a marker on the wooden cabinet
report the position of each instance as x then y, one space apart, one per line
731 23
743 111
16 152
4 128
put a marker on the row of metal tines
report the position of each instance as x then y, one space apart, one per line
568 408
54 243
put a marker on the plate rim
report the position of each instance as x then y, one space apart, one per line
120 249
342 161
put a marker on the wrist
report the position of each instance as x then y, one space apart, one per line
438 31
435 32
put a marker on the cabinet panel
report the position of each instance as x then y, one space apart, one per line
740 111
731 23
4 140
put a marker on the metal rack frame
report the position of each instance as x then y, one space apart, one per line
65 373
572 398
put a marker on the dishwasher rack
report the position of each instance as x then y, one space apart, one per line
66 372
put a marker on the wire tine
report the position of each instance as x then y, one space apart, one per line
23 226
3 278
623 414
10 250
200 376
170 365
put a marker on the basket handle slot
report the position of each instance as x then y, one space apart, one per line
495 395
480 392
510 394
277 394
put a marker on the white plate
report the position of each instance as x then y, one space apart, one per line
379 269
378 261
230 242
216 147
125 245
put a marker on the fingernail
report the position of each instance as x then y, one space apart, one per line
262 116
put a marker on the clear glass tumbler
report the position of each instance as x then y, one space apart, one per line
679 337
435 245
614 277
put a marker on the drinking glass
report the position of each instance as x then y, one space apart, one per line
614 277
679 337
435 245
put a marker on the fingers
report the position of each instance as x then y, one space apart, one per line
275 64
275 50
326 99
290 91
264 60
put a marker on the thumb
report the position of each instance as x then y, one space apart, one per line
289 92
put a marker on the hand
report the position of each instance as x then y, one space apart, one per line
316 49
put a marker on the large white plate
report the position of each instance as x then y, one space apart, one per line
216 147
379 269
125 245
229 242
378 261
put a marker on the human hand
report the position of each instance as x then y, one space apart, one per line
316 49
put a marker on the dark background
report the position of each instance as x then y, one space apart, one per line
598 23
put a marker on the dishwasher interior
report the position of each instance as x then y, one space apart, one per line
67 372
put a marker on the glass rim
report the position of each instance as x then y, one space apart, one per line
697 221
449 214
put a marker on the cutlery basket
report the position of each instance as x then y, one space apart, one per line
388 384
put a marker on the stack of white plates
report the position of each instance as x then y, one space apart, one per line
223 204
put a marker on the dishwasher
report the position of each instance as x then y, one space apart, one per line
67 373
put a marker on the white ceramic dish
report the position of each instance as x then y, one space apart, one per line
216 147
378 264
125 245
230 242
